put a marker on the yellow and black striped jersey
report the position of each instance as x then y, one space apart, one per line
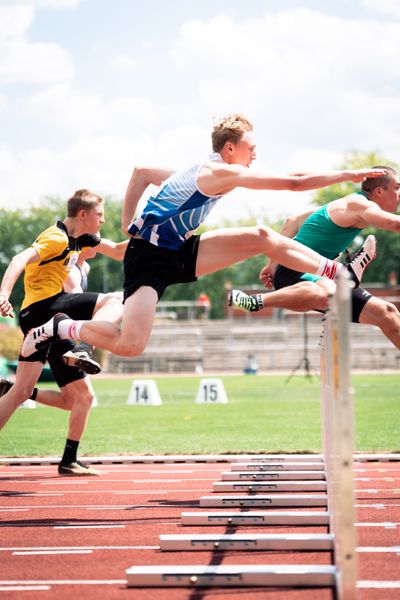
58 254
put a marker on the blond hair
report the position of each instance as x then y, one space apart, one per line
229 129
82 200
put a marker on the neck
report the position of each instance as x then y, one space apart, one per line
72 227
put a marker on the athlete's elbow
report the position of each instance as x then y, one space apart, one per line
298 184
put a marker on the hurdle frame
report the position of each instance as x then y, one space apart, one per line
338 436
336 466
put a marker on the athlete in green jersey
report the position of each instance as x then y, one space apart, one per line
329 230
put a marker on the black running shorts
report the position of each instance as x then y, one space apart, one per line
285 277
148 265
76 306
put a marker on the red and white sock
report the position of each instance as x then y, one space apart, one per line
329 268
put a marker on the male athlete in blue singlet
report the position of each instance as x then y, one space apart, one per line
329 230
163 249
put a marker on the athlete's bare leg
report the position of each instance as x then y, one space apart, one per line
109 307
25 380
136 326
302 296
385 316
224 247
76 397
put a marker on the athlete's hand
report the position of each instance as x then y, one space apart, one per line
267 274
359 175
6 309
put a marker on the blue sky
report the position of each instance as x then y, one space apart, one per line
89 88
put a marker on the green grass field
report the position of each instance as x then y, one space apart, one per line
263 415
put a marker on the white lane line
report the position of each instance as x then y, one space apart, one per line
34 552
120 507
24 588
155 492
155 480
388 549
13 509
96 491
169 471
62 482
376 491
99 506
386 585
387 525
65 582
209 470
89 527
35 494
378 506
74 548
167 480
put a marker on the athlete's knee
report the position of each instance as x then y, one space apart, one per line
108 299
130 348
265 236
322 294
66 401
77 392
113 297
390 316
21 391
87 399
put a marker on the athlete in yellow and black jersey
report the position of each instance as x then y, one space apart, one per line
58 254
44 279
46 264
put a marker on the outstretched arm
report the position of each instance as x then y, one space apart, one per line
14 270
220 178
370 213
141 178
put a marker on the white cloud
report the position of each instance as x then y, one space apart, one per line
299 58
390 8
101 162
3 101
22 61
315 85
125 62
15 21
55 4
83 113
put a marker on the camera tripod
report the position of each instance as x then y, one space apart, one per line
304 361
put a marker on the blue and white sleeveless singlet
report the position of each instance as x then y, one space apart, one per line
170 218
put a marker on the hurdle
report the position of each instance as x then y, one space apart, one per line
332 474
338 437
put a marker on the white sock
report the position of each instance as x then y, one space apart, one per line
69 329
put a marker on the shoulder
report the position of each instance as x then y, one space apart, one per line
356 203
52 237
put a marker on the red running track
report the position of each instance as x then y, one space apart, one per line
64 537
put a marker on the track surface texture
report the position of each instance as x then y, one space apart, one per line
64 537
